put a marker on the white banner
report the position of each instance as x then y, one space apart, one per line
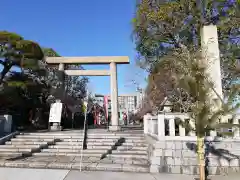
55 112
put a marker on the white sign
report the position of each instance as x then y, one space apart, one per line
55 112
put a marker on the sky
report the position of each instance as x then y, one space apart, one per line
79 28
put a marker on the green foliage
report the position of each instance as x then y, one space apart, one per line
8 37
192 77
34 88
161 27
49 52
16 51
18 84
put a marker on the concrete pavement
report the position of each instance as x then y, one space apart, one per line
30 174
45 174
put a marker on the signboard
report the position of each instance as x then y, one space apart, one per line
55 112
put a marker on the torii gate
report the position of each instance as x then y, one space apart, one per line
112 60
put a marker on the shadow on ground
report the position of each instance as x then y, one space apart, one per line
211 149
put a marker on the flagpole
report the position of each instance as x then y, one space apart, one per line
85 103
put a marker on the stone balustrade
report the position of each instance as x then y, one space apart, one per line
168 124
174 149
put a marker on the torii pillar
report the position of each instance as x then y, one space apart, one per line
114 98
113 61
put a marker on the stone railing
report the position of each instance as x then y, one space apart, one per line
174 150
164 125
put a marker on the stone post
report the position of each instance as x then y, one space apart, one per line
182 130
210 47
146 123
161 126
56 126
171 126
211 53
114 98
192 125
236 132
7 123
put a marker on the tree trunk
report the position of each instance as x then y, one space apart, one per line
201 160
38 121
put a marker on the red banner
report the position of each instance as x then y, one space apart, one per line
105 103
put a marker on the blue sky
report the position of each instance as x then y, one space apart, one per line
79 28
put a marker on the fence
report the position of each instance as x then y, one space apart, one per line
167 125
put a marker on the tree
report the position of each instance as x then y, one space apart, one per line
161 26
191 76
171 30
75 87
37 85
15 51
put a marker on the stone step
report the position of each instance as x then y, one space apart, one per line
4 154
84 154
89 143
127 141
20 146
48 136
117 160
144 144
76 166
89 134
26 143
78 137
68 143
90 140
71 140
132 148
78 140
10 157
100 151
32 140
128 155
77 147
114 137
115 140
52 133
17 149
65 143
135 141
129 152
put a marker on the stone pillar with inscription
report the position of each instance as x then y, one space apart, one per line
211 53
56 108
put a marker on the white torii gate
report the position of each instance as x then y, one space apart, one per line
112 60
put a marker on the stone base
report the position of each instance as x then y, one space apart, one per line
114 128
55 127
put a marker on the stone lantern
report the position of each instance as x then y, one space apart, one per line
168 106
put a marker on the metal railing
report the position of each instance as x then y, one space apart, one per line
84 142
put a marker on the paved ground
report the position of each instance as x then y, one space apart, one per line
45 174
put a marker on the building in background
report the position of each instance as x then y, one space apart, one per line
140 98
127 103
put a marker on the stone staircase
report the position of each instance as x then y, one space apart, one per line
122 151
22 147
